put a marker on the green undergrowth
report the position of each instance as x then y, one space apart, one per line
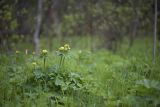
79 78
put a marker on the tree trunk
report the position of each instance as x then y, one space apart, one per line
57 6
134 30
155 32
38 26
134 23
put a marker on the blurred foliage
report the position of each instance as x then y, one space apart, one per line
113 19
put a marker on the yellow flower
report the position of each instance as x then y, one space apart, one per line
17 52
44 52
64 48
61 48
67 47
34 63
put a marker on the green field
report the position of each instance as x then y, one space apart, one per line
81 77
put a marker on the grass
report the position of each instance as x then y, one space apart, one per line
87 79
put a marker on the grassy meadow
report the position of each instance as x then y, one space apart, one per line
74 75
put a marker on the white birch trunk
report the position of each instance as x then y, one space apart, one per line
155 32
38 26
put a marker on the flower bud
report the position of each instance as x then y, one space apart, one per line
61 48
67 47
17 52
44 52
34 63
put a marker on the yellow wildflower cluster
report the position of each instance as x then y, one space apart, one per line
64 48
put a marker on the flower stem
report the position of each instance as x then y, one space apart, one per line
44 61
61 59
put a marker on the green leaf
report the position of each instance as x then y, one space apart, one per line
59 81
149 84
